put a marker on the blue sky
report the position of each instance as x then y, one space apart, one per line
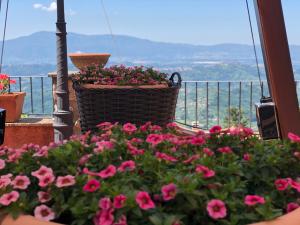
184 21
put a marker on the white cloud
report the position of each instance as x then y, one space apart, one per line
51 8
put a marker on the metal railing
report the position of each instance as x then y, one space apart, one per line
201 104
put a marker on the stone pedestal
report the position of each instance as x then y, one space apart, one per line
72 99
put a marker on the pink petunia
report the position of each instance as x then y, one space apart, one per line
247 157
65 181
215 129
197 141
129 128
191 159
42 152
294 184
21 182
42 171
110 171
46 180
165 157
2 164
84 159
205 171
105 203
127 166
292 206
216 209
90 173
44 213
104 217
144 201
44 197
91 186
154 139
208 152
5 180
9 198
252 200
119 201
103 145
225 150
169 191
282 184
294 137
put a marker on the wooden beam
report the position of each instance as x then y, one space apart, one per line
278 64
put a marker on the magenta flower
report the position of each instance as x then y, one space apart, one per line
225 150
90 173
21 182
144 201
2 164
105 203
215 130
292 206
46 180
205 171
197 141
110 171
208 152
191 159
165 157
65 181
294 137
119 201
42 171
9 198
5 180
43 212
104 217
129 128
169 191
91 186
282 184
216 209
44 197
154 139
127 166
252 200
247 157
103 145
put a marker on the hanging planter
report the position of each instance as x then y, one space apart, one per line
123 94
81 60
12 102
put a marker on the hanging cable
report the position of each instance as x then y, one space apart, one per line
4 35
255 51
110 28
0 6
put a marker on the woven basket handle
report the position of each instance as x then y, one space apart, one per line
179 80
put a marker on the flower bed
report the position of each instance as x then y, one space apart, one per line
150 175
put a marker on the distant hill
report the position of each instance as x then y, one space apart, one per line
39 48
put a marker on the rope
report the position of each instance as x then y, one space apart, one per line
4 35
110 28
255 51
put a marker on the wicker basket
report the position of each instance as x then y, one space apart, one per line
137 105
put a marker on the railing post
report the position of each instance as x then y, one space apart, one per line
62 115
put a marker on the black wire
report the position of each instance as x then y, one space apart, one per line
4 35
255 51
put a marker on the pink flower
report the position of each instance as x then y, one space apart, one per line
169 191
5 180
144 201
155 128
42 152
2 164
216 209
104 217
208 152
252 200
191 159
119 201
90 173
247 157
129 128
291 207
172 125
294 184
42 171
225 150
127 166
103 145
165 157
9 198
205 171
44 196
84 159
91 186
282 184
145 127
198 141
21 182
154 139
105 203
294 137
46 180
43 212
215 130
110 171
65 181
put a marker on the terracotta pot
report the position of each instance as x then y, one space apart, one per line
81 60
292 218
24 220
13 103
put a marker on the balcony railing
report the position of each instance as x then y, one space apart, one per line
201 104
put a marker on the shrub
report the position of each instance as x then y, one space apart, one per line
5 82
153 175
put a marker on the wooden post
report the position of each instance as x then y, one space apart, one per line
278 64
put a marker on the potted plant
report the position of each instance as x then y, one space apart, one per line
125 94
12 102
154 176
